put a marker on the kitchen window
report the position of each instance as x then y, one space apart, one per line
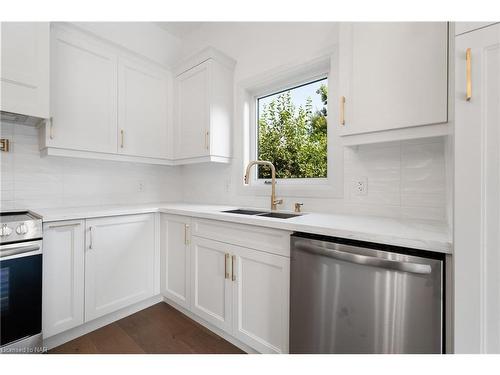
291 131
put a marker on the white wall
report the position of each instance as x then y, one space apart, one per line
29 181
144 38
405 179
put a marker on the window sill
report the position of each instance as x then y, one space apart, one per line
316 190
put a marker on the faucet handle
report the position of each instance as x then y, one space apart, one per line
298 206
278 201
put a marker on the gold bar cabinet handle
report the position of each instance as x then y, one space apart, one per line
51 128
233 261
186 239
342 110
121 134
468 94
226 272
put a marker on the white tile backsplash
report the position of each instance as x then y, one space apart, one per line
30 181
405 179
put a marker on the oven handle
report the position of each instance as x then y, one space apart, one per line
19 251
417 268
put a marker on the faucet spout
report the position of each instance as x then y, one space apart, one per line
274 201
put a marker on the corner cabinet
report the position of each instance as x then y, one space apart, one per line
393 80
204 108
24 68
63 276
105 103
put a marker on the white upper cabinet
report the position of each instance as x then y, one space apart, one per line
204 108
393 75
119 263
25 68
466 27
63 276
142 109
83 94
106 103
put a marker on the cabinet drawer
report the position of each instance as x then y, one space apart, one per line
263 239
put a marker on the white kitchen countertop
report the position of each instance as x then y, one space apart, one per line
416 234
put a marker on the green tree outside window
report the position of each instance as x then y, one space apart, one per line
294 136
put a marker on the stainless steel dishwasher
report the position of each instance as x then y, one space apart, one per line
353 297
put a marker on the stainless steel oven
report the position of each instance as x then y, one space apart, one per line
21 283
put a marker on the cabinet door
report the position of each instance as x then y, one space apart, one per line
176 259
83 94
477 183
261 299
142 109
25 68
211 286
119 263
192 112
393 75
63 276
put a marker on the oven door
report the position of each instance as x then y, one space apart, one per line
21 290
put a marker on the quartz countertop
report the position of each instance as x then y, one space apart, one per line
415 234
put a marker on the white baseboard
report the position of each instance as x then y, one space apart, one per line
217 331
63 337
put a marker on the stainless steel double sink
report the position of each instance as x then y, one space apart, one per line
276 215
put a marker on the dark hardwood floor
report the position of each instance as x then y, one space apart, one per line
157 329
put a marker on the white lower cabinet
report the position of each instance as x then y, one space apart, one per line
63 276
176 271
211 282
119 263
241 290
261 299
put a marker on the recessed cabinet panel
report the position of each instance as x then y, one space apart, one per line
176 271
83 94
261 300
25 68
192 124
394 75
63 276
211 289
119 263
142 116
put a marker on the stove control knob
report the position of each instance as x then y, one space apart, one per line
22 229
5 230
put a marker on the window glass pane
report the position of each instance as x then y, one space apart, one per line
292 131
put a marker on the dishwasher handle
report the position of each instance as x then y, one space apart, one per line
423 269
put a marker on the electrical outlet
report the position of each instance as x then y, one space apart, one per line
140 187
227 185
360 186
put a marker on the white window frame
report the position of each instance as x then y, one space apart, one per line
273 81
309 77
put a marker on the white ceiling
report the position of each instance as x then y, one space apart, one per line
179 29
